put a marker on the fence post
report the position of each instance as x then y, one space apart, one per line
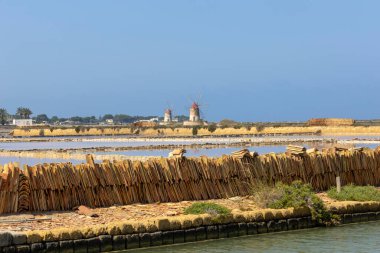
338 184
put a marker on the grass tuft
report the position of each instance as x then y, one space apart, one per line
355 193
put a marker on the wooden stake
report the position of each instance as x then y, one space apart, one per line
338 184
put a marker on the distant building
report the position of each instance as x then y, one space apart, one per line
23 122
168 116
68 123
156 119
168 119
109 121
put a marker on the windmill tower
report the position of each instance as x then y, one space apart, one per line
194 113
194 116
168 116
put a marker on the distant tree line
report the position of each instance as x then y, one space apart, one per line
25 113
117 119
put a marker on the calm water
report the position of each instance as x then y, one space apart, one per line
215 152
123 142
135 142
363 237
199 152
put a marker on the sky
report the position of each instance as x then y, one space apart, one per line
263 60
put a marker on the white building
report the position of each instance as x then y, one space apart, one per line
109 121
22 122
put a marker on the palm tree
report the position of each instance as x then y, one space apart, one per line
24 112
3 116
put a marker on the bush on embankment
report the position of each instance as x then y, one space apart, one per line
207 208
355 193
296 195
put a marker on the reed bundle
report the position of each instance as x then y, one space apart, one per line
177 153
295 150
240 154
62 186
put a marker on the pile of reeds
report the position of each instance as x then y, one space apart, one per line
63 186
330 122
295 150
177 153
240 154
9 188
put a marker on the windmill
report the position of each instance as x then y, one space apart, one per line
195 113
168 115
197 109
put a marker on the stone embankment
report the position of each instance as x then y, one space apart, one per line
179 229
203 131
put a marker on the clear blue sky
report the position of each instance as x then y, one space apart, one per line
248 60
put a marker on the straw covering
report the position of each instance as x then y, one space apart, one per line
64 186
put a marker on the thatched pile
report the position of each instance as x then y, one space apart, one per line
330 122
64 186
177 153
295 150
9 188
240 154
312 151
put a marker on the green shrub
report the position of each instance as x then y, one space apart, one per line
297 195
77 129
211 128
355 193
195 130
209 208
260 128
42 132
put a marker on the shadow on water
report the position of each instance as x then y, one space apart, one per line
348 238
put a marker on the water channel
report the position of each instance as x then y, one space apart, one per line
352 238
